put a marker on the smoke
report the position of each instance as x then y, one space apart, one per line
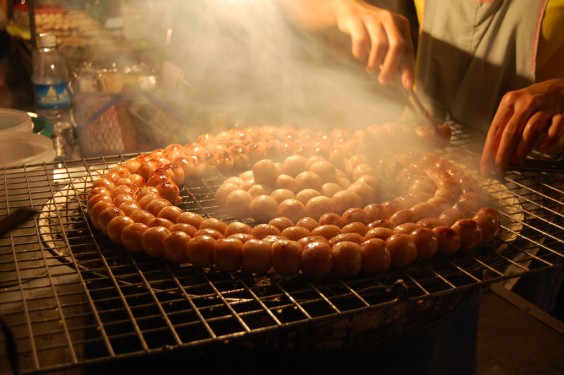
245 63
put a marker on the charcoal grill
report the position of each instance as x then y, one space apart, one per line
66 289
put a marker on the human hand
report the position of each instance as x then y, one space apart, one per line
527 117
380 38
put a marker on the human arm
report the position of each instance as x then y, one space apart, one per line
529 117
380 38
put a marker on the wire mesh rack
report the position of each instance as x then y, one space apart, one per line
69 297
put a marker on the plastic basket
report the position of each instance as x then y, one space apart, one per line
110 124
98 125
156 122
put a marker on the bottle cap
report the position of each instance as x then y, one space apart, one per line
47 40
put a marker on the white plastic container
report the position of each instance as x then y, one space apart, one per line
20 148
14 120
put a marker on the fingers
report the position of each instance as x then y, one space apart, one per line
369 42
493 139
360 39
534 128
517 122
407 78
399 56
394 56
509 141
382 40
378 47
554 140
530 116
407 73
503 156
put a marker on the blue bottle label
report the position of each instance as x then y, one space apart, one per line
54 96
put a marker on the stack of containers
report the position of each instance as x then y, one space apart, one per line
19 145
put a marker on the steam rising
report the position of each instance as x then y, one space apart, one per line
245 63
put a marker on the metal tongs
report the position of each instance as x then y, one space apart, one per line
418 108
416 105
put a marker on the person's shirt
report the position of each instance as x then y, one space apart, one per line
550 49
550 53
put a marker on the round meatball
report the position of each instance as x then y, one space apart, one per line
237 203
265 172
317 261
318 206
263 208
228 254
257 256
448 240
489 221
375 255
153 241
425 241
286 257
347 258
292 209
200 251
131 236
402 249
175 246
470 233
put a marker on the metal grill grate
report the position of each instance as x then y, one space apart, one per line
70 297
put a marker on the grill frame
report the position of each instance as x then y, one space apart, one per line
71 289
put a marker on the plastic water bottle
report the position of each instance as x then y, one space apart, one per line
53 100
